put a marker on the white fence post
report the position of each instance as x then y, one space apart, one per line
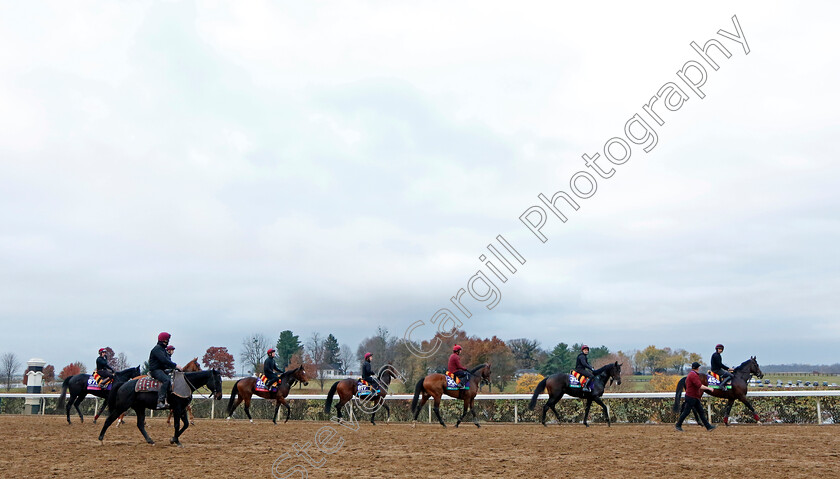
709 409
212 409
430 413
515 412
819 413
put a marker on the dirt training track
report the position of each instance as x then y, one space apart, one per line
221 448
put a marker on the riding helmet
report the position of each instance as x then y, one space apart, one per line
102 350
270 350
367 355
456 348
164 336
719 346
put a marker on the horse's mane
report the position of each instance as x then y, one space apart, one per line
603 368
744 364
475 369
127 373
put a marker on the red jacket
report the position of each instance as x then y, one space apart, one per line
692 385
455 364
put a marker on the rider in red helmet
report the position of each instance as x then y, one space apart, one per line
102 367
717 366
367 372
270 369
584 368
159 364
170 350
455 367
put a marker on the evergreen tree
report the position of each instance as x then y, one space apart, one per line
332 350
560 360
287 346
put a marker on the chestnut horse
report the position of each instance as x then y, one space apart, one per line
247 387
347 388
434 385
740 376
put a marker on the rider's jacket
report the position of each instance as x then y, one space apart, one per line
582 363
455 364
717 362
102 364
367 371
158 359
270 367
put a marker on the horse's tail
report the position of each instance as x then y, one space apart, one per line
330 397
417 390
232 400
678 395
537 392
64 386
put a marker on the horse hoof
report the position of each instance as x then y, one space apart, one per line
413 424
457 424
252 421
477 425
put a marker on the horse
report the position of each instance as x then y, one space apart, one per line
347 389
434 385
77 385
190 367
127 398
740 376
247 387
558 384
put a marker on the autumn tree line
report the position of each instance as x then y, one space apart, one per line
323 357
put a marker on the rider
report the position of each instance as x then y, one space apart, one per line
583 367
270 369
367 372
170 350
719 368
455 367
159 362
102 367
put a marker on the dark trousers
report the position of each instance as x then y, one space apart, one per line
374 383
105 373
464 376
271 377
161 376
693 404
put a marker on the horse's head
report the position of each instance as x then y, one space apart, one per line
215 384
299 374
192 366
614 373
485 374
754 369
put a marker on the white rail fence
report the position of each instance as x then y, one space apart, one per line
819 395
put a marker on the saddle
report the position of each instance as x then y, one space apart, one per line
97 382
453 383
180 388
262 380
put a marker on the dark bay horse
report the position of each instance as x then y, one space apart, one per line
434 385
77 385
740 377
247 387
126 398
558 384
347 388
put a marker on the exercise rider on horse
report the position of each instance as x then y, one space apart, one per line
367 373
102 367
270 369
583 367
455 367
719 368
159 363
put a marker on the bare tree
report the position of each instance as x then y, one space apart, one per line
316 350
346 357
120 362
525 351
254 347
9 363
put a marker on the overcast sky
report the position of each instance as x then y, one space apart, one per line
216 169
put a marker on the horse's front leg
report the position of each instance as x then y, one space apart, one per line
76 405
288 409
751 408
586 412
101 409
604 408
466 410
729 404
141 422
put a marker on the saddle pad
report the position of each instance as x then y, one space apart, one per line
261 380
453 384
714 381
180 387
147 384
574 382
363 388
92 385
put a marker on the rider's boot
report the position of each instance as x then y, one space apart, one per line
161 404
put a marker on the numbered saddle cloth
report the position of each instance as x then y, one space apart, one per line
363 388
453 382
262 380
93 383
576 379
713 379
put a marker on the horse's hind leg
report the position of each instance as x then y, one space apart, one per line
248 409
69 405
101 410
235 405
420 405
437 411
604 408
586 413
463 414
751 408
76 405
112 416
